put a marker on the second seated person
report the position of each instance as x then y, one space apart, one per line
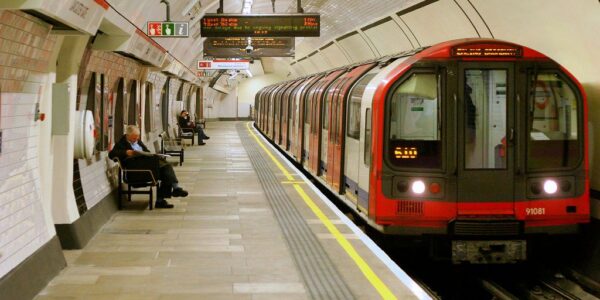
129 146
184 122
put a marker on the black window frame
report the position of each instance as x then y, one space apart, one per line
532 74
439 72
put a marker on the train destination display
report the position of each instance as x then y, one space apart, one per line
258 47
260 25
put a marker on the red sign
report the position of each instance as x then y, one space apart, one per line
204 64
154 28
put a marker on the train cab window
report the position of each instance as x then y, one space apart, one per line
554 123
355 100
413 123
485 127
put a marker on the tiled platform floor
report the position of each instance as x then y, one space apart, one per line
221 242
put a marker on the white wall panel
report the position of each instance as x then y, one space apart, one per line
388 38
357 48
335 56
438 22
307 66
320 61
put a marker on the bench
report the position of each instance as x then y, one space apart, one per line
202 122
171 146
138 174
185 134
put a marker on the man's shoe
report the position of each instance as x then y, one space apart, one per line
206 137
163 204
201 144
179 192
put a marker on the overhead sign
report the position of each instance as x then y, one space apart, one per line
260 25
238 47
223 64
168 29
259 42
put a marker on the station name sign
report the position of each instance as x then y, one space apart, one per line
223 64
168 29
260 25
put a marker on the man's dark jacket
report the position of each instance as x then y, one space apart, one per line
184 122
121 147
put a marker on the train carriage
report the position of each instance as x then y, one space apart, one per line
478 140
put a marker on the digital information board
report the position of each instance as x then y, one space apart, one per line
260 25
168 29
236 47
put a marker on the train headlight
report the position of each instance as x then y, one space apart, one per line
550 186
418 187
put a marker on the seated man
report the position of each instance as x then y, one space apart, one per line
127 147
184 122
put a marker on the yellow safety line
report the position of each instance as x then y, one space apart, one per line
379 285
294 182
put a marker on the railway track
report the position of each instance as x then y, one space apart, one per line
556 287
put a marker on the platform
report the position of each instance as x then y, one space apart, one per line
251 228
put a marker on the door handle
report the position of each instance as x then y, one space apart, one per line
511 135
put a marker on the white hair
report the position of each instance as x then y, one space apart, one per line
132 129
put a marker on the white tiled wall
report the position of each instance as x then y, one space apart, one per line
25 46
94 179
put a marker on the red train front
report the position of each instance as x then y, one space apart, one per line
481 141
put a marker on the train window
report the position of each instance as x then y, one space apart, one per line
307 104
355 100
149 107
554 123
485 118
327 102
413 131
367 151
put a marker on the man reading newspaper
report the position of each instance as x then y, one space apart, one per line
129 147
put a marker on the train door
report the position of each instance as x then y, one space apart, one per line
284 117
328 116
291 108
276 114
486 130
337 132
356 166
299 122
317 109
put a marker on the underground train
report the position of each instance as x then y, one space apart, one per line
479 141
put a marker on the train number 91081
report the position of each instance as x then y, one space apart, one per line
535 211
